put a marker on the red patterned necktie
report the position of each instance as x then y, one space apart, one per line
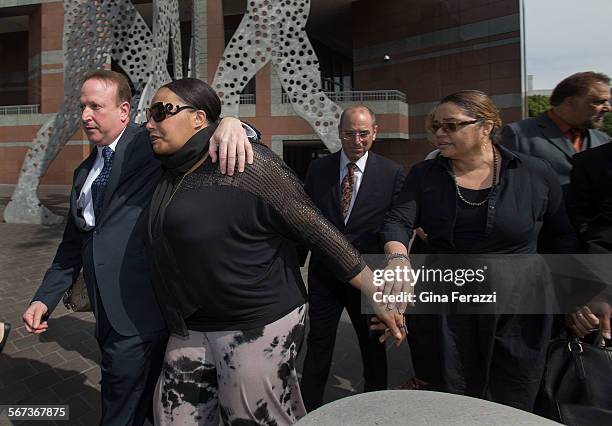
576 138
347 188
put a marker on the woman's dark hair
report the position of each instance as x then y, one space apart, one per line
577 84
478 105
198 94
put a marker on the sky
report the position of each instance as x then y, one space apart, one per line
566 36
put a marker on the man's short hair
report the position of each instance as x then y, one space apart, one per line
577 84
354 107
124 92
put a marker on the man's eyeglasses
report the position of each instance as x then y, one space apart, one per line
349 136
450 126
160 111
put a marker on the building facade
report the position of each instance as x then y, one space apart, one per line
397 57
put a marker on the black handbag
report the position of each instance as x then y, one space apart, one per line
577 384
76 297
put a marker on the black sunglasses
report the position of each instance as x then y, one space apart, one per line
450 126
160 111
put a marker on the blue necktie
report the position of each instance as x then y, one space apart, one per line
98 187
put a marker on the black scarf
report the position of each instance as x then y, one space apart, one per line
175 165
166 274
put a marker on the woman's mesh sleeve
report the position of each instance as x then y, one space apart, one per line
273 181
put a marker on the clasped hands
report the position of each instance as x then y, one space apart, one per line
392 300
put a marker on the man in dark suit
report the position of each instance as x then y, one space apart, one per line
589 205
353 188
579 104
589 199
104 236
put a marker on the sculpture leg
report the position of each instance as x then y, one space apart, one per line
275 31
85 51
25 207
89 29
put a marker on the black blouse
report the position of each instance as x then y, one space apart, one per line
527 200
232 247
471 220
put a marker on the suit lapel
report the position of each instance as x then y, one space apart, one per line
83 170
79 180
368 180
551 132
335 192
595 138
118 161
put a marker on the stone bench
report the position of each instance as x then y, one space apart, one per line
405 407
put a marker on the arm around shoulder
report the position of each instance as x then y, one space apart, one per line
231 145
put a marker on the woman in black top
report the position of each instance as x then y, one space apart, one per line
476 197
227 273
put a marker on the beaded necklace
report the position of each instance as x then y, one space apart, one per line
493 183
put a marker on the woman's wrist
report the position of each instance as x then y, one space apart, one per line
364 282
391 256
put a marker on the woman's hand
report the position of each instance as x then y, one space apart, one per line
401 284
377 324
394 321
228 143
587 318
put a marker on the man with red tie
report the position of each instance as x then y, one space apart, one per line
579 104
353 188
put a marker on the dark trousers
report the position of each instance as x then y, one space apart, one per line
130 368
326 302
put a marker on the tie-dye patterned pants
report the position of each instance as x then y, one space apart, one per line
233 377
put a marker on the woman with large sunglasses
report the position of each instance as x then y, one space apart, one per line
478 201
227 273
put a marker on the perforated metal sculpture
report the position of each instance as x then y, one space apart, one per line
93 30
274 31
271 31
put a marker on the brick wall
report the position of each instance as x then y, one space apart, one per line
438 47
14 68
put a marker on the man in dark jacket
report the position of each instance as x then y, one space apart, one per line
589 205
353 188
579 104
104 236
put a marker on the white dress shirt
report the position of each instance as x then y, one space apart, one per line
85 201
359 170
